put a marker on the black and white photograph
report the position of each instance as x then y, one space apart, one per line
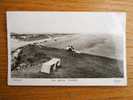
66 48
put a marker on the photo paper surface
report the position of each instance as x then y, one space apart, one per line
66 48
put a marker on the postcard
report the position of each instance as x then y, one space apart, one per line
66 48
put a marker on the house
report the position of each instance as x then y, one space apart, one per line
50 65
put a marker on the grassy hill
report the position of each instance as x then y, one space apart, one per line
73 65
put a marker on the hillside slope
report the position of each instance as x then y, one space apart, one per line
73 65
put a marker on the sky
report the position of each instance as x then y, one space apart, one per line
66 22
